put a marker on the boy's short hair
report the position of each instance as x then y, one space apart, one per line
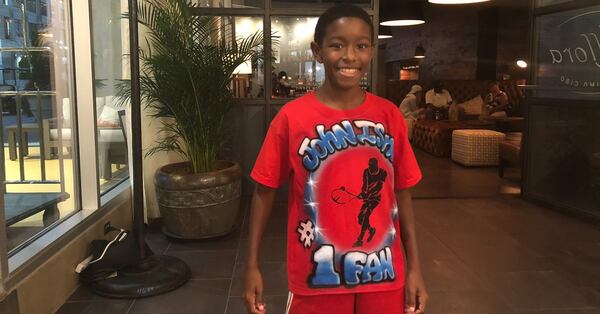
336 12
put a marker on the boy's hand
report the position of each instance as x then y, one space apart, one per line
253 291
416 295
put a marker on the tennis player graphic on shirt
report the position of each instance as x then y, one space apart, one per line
373 178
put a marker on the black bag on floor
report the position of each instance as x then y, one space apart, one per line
108 257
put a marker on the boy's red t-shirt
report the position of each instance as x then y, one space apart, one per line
343 167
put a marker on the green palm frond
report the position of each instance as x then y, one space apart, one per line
186 77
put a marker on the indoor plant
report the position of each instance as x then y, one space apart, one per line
185 79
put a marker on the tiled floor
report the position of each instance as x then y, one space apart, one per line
483 250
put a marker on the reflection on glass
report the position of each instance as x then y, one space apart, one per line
111 49
543 3
294 69
249 78
32 5
567 55
35 92
252 4
317 3
566 149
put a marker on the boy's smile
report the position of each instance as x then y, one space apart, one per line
345 52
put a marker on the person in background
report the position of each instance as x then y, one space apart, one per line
496 102
283 85
410 105
438 101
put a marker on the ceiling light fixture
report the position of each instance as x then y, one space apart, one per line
419 52
384 32
521 64
400 13
456 1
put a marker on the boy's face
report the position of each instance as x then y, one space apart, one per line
346 52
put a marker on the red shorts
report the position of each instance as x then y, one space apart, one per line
388 302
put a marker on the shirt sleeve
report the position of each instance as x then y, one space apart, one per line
429 97
406 169
272 167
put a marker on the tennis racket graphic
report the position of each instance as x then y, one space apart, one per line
342 196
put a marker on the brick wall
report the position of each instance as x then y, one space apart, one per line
450 38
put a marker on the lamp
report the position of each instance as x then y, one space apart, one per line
400 13
154 273
522 64
384 32
456 1
419 52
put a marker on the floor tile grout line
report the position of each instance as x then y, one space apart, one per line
130 306
237 253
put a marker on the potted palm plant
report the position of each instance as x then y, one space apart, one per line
185 79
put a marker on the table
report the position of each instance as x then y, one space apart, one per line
18 206
12 138
476 147
435 137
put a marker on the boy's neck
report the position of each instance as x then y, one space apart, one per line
340 99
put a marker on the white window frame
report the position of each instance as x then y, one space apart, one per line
89 204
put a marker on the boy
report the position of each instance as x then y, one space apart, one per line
344 151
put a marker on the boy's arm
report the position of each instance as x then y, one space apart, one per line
260 210
415 286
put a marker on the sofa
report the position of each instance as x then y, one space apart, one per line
461 91
112 146
435 137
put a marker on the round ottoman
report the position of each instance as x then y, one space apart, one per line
476 147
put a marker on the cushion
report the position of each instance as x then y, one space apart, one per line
99 105
108 117
473 106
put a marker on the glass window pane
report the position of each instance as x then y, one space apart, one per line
111 49
31 5
565 154
250 77
317 3
248 4
543 3
295 71
36 89
568 55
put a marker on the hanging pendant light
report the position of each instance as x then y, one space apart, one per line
384 32
400 13
419 52
456 1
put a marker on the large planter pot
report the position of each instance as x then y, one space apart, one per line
198 205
